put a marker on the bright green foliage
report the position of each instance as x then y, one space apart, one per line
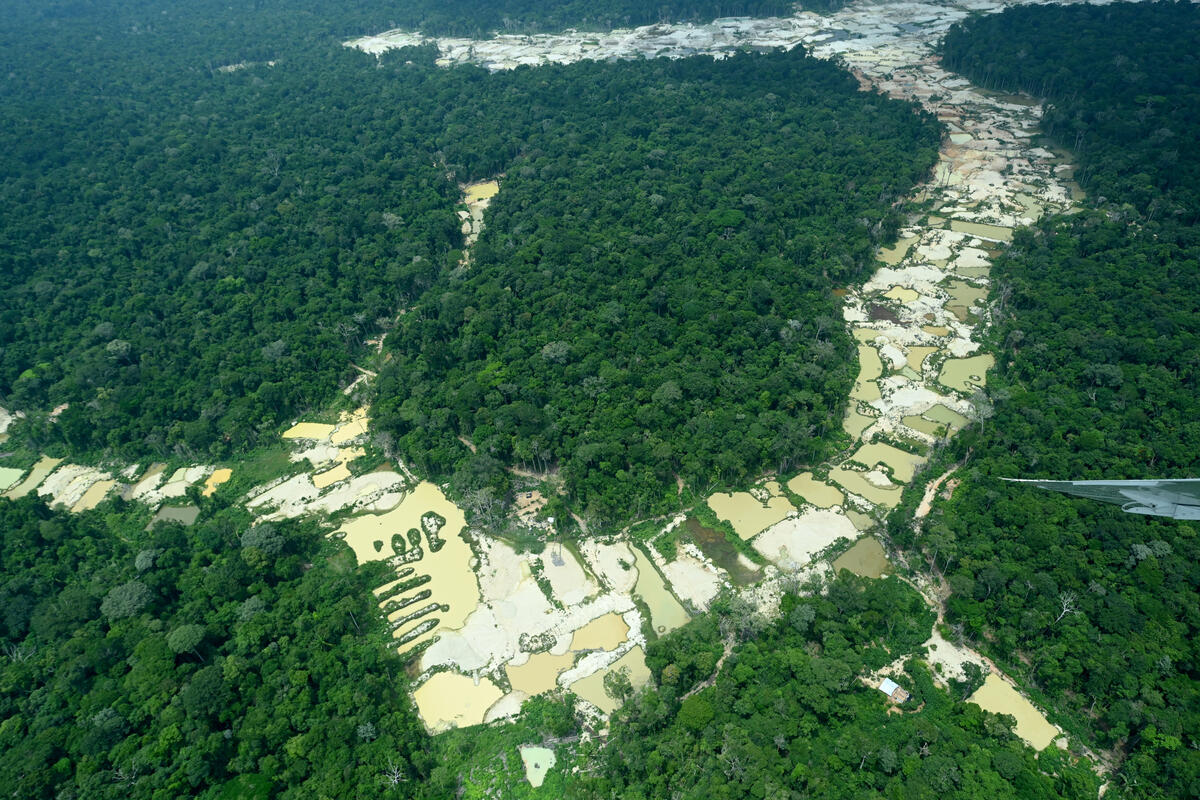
1123 84
651 296
1098 377
195 262
182 694
788 717
201 261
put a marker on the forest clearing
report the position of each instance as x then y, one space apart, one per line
514 409
985 173
505 625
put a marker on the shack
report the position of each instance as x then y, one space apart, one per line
893 690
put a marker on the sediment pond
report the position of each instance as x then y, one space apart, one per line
902 464
451 700
40 470
538 674
592 688
666 613
748 514
966 374
820 494
997 696
865 559
851 481
9 476
722 552
454 586
537 761
218 477
603 633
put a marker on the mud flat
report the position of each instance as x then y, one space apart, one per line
153 491
298 495
795 542
570 584
476 197
613 563
999 697
515 615
67 485
694 579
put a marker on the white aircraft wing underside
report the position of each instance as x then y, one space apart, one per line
1178 498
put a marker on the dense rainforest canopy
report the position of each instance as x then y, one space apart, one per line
195 254
652 295
481 18
1098 342
229 660
1123 89
234 661
168 663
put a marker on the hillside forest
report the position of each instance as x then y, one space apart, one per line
185 254
1097 335
234 661
195 255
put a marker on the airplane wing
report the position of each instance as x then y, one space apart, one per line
1177 498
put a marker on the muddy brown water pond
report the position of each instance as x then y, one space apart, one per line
666 613
9 476
39 473
999 697
966 374
894 255
185 515
722 552
995 233
861 521
865 559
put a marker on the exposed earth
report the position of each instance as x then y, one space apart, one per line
497 625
